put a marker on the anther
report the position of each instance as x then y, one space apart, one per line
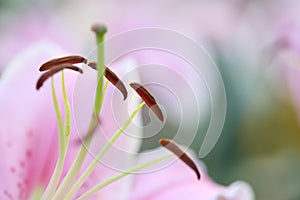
148 98
174 148
113 78
73 59
53 71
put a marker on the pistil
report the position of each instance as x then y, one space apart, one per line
100 31
69 179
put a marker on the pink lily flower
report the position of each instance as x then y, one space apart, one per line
29 144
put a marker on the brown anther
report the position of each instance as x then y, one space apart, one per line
93 65
174 148
53 71
74 59
113 78
148 98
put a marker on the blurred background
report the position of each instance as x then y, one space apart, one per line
255 44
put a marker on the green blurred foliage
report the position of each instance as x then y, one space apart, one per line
269 146
260 142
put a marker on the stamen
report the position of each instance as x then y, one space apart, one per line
113 78
102 152
148 98
74 59
92 65
174 148
69 179
54 177
121 175
64 136
53 71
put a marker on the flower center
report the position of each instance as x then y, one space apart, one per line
69 185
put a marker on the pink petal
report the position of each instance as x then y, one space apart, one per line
28 125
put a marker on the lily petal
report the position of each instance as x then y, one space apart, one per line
28 129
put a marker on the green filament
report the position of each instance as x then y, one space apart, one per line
64 133
77 164
121 175
103 151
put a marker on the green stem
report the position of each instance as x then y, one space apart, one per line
67 129
100 155
121 175
64 133
57 111
100 33
77 164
